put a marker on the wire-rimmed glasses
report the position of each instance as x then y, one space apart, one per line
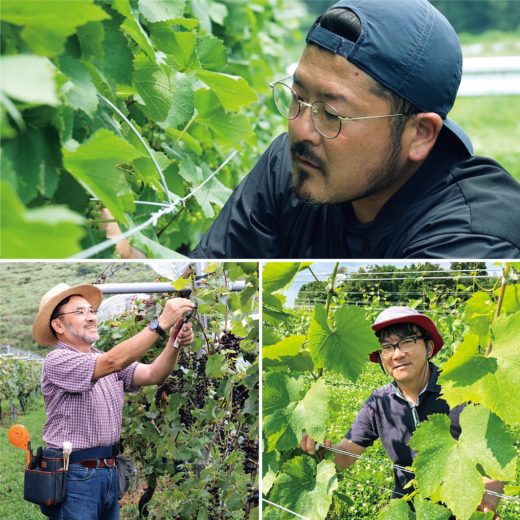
81 311
325 117
405 345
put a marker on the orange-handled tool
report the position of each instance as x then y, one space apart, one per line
19 437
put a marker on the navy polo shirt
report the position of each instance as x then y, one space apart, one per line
387 415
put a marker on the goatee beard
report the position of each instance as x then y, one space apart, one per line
300 150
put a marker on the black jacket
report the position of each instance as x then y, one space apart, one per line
455 206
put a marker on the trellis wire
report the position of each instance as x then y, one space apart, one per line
87 253
402 468
283 508
143 142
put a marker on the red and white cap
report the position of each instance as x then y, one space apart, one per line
394 315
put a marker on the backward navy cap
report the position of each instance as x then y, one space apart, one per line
409 47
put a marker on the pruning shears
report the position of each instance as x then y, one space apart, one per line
178 326
19 437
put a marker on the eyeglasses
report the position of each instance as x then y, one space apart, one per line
405 345
83 312
325 117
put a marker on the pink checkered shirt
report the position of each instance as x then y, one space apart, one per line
85 413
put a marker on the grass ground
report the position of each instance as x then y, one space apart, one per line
12 462
493 124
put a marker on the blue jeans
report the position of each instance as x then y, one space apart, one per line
92 494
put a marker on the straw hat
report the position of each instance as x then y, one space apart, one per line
42 331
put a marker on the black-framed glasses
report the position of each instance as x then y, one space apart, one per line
405 345
325 117
82 311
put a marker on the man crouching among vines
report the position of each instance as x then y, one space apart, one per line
392 413
83 391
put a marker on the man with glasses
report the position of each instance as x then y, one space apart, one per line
371 167
392 413
83 390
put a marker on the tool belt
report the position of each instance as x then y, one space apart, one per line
45 480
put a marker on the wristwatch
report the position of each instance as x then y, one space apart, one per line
155 327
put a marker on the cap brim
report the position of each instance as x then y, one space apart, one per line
423 322
42 333
455 131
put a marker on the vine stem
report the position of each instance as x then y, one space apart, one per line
505 279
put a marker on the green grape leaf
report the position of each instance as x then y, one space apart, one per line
95 165
511 300
216 365
47 24
213 192
161 10
344 350
277 275
211 52
29 79
493 380
46 232
155 86
233 92
290 346
154 249
449 469
303 487
479 313
80 92
133 29
289 408
287 355
396 510
272 308
269 336
182 103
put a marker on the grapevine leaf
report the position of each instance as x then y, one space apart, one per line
346 349
493 380
270 467
132 28
94 164
213 192
448 468
288 355
269 336
202 10
155 86
211 53
29 79
46 24
277 275
36 154
216 365
154 249
182 49
80 92
272 308
479 313
182 103
289 408
305 488
290 346
233 92
47 232
396 510
511 300
161 10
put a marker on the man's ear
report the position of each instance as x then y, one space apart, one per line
57 325
423 132
431 346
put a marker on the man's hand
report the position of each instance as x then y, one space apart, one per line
174 309
489 503
185 336
309 445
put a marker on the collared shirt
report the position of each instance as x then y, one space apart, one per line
454 206
86 413
389 416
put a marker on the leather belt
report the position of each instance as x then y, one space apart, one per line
98 463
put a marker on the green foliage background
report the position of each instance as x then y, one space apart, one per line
186 73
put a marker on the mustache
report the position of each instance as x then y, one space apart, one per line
303 151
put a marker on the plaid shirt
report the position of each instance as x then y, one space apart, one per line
86 413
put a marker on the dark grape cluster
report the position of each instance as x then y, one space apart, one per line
250 449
